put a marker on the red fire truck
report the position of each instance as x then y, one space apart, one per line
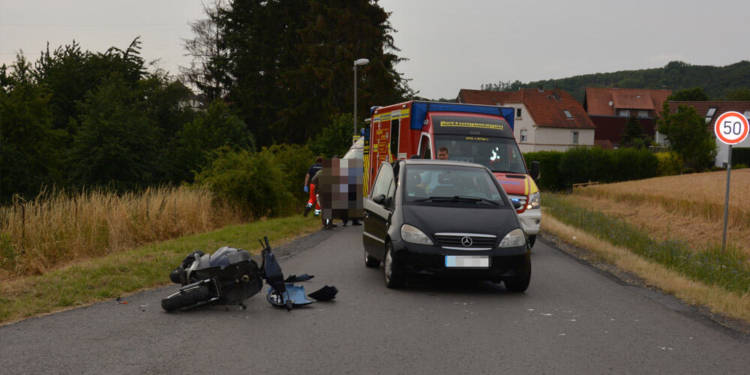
475 133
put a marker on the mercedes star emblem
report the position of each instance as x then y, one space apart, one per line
466 241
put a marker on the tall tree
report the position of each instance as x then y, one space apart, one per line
208 68
291 63
117 143
633 135
213 128
29 146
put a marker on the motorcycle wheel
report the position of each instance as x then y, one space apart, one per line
186 298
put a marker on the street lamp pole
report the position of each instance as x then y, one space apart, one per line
358 62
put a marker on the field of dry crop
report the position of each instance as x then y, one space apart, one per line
51 231
686 207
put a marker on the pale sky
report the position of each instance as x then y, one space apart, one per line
450 44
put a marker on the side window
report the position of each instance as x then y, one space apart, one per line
424 148
383 181
394 139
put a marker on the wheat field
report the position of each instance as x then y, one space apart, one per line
687 207
55 229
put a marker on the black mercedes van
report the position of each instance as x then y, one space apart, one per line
443 218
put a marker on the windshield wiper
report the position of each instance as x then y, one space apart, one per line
458 198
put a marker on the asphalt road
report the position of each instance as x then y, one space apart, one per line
573 319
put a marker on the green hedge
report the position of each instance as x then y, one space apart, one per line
560 170
549 175
740 156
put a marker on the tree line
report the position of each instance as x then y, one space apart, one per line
263 73
731 82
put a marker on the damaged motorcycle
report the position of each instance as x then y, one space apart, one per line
229 276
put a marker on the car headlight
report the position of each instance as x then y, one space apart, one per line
514 238
535 200
411 234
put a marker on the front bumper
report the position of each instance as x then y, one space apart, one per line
430 261
531 220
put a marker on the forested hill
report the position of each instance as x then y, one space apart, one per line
677 75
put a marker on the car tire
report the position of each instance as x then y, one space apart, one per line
393 278
532 239
371 262
520 282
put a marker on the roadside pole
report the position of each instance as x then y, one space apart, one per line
726 200
730 128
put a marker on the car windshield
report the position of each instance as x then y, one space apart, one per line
451 184
497 154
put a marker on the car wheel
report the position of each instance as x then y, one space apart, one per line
532 239
393 278
520 282
370 262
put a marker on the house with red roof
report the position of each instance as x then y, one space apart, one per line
545 120
610 109
710 110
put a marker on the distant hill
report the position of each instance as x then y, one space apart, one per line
677 75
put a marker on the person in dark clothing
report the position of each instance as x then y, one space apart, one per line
310 186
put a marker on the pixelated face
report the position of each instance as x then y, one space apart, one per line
442 155
341 186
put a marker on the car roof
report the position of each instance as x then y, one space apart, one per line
452 163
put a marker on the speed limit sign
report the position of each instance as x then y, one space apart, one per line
731 127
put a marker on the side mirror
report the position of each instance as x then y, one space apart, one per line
379 199
388 202
534 169
516 203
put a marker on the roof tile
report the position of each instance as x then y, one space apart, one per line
546 107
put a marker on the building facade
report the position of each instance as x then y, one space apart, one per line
545 120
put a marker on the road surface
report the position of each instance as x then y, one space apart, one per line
573 319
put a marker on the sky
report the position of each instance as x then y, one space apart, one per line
449 44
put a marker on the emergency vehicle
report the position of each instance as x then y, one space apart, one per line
479 134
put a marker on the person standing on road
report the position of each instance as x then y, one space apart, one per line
310 186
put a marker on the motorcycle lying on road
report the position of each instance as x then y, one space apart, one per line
229 276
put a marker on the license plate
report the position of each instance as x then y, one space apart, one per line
467 261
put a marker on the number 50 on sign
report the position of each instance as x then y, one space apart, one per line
731 127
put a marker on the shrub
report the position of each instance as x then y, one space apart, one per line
586 164
255 182
740 156
294 161
549 173
633 164
669 163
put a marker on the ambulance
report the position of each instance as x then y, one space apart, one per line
473 133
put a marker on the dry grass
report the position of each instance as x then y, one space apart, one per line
717 299
57 229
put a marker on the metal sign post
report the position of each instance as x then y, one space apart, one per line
726 200
731 128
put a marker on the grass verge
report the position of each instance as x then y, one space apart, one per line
720 281
126 272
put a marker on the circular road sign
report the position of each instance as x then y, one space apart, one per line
731 127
